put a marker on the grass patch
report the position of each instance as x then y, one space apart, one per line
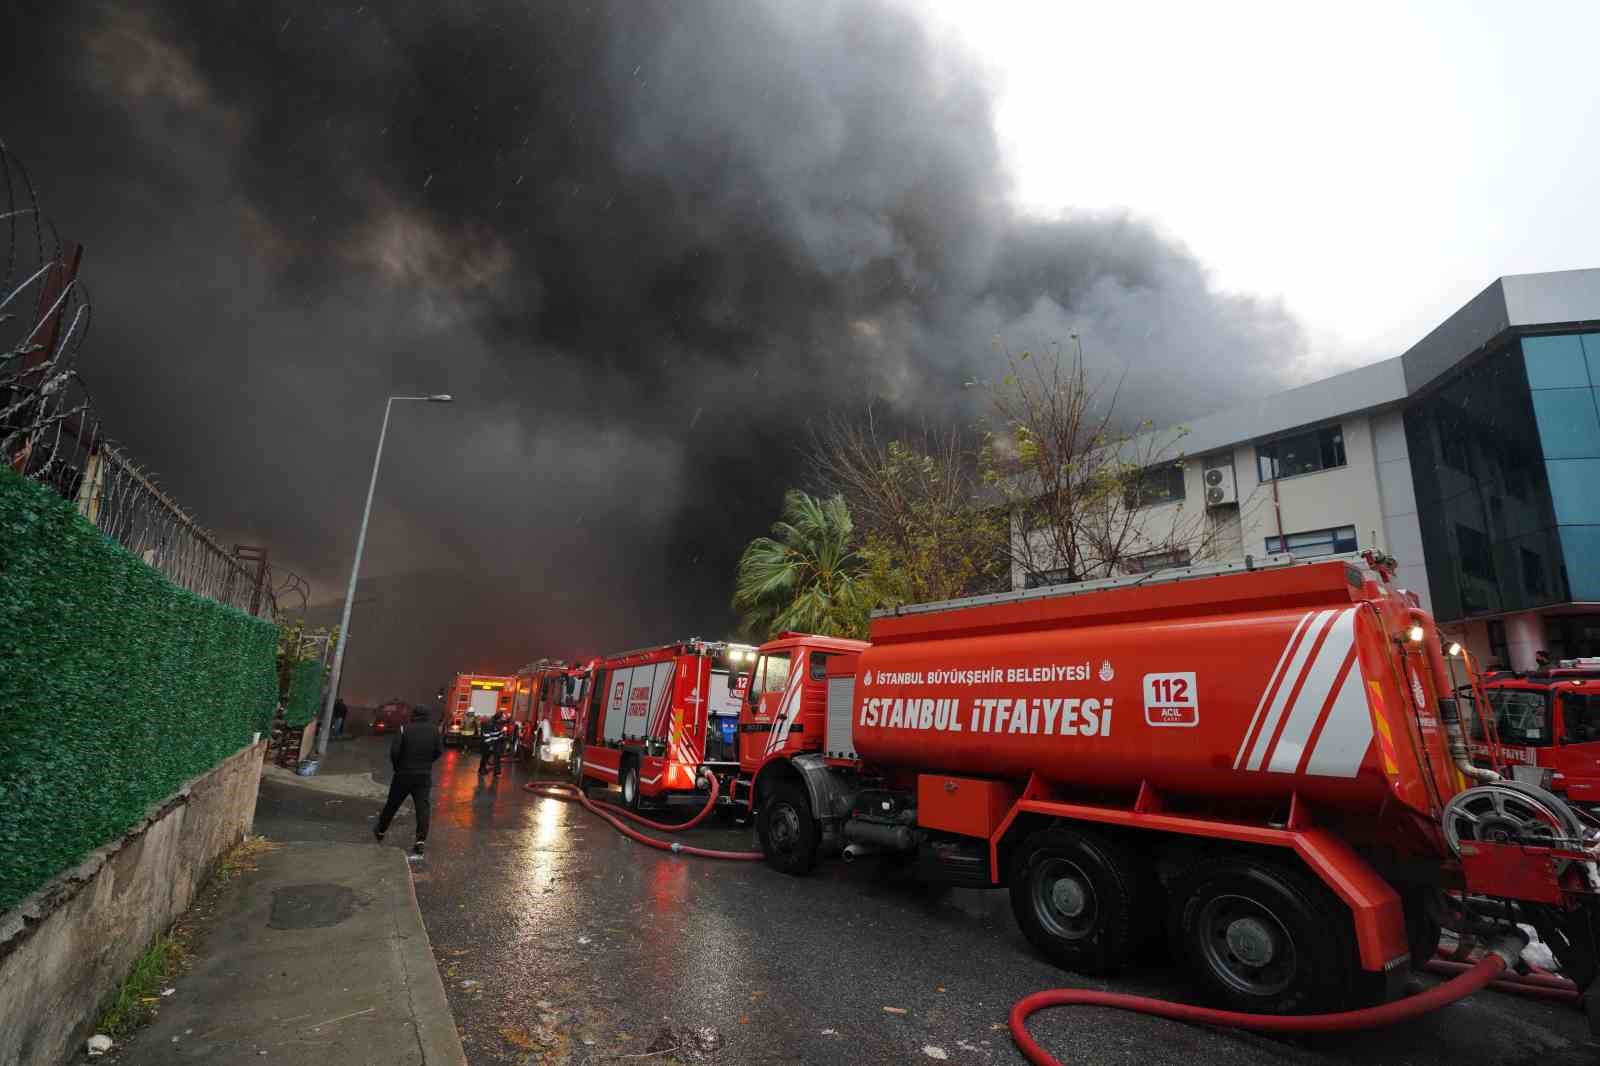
136 1000
139 996
242 858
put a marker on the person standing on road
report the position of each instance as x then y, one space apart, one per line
412 753
339 713
494 735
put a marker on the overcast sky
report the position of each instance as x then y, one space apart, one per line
1373 165
648 244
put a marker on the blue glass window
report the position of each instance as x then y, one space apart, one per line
1555 362
1569 426
1580 545
1573 488
1591 351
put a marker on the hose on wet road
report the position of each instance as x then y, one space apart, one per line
570 793
1475 977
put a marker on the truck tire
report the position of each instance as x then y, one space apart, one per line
575 767
1079 899
629 783
1264 938
1423 932
791 836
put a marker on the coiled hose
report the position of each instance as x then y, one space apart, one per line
1486 970
569 793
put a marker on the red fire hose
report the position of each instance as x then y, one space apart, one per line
568 792
1475 978
1541 985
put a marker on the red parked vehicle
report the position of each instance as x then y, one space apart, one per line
544 710
1549 727
1268 762
658 718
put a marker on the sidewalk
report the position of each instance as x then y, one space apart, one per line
318 955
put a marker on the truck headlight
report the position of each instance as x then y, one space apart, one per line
560 747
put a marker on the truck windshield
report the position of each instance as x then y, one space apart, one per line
1580 714
1523 716
775 674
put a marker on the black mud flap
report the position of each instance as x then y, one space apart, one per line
1573 936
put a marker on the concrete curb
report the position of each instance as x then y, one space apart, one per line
436 1026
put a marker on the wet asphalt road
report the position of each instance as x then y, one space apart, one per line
561 942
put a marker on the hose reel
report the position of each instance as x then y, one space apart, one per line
1510 812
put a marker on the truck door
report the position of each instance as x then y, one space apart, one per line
1579 755
767 686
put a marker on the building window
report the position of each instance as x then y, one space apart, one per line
1315 543
1472 549
1144 564
1046 577
1533 573
1499 649
1162 483
1301 453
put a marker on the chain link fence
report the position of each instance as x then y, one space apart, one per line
49 432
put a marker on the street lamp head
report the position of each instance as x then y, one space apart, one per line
440 397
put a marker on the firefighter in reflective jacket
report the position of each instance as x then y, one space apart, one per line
493 734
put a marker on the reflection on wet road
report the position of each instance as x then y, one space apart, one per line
561 942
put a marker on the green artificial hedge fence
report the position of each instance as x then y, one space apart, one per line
116 686
305 694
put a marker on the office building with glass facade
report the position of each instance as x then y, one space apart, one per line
1473 458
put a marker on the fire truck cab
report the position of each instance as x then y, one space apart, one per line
544 713
657 719
1549 729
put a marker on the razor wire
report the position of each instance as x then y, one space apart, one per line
50 433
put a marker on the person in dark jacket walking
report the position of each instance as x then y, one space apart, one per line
412 753
493 734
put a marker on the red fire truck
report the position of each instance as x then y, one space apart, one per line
471 699
658 717
1549 726
1265 760
544 709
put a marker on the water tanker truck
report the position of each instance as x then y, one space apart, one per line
1264 762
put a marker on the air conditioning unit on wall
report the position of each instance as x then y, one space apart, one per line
1218 481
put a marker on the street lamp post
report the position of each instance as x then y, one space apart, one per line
326 724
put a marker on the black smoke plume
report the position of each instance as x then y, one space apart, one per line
642 243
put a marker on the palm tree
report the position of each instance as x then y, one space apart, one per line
807 576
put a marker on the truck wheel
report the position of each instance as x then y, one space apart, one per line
790 834
630 784
1422 924
575 767
1077 898
1263 938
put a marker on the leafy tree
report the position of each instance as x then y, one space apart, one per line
808 576
1076 478
929 528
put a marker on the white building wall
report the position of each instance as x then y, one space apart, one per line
1372 492
1326 499
1401 531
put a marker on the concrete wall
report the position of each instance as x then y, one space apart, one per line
65 949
